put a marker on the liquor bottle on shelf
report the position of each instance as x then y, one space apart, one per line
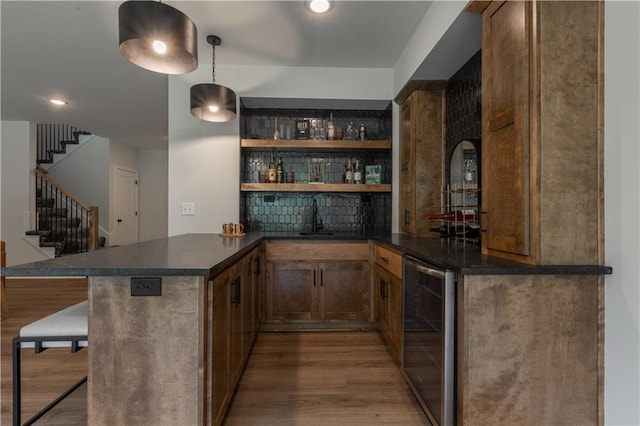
362 132
456 216
330 127
276 133
280 171
352 132
357 173
272 171
349 173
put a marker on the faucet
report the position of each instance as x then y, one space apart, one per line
315 226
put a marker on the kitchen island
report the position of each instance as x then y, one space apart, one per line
169 349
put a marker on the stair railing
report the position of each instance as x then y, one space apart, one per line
53 138
63 221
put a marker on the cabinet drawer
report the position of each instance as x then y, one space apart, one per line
388 259
316 250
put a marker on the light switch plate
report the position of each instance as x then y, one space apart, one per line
188 209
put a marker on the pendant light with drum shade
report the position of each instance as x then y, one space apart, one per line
157 37
213 102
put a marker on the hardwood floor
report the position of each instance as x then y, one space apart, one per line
322 378
306 378
46 375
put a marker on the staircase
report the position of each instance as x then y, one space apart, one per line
62 222
53 139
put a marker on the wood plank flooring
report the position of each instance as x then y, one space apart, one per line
48 374
297 378
322 378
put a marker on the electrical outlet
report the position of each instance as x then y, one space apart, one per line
188 209
146 286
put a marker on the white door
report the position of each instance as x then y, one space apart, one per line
126 198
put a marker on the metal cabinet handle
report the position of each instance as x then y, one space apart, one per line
384 259
383 293
314 277
257 265
321 278
235 299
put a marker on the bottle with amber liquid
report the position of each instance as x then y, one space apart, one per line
348 175
272 171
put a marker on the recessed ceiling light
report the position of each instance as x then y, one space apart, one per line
58 101
319 6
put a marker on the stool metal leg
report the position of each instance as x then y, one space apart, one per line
17 389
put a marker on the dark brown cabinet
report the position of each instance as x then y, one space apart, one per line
421 158
387 288
291 291
251 266
231 331
318 291
219 394
301 289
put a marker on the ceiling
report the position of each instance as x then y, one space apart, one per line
70 50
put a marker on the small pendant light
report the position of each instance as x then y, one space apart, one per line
213 102
157 37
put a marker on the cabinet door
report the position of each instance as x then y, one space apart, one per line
219 391
344 291
236 302
421 158
380 288
394 316
251 267
291 291
407 181
505 133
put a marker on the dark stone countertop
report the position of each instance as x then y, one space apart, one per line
182 255
208 254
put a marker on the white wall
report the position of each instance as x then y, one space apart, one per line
204 158
439 18
17 149
85 173
153 178
622 207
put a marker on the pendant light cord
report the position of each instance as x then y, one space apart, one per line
213 66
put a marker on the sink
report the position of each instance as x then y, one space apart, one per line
316 233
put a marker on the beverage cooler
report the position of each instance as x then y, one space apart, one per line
429 338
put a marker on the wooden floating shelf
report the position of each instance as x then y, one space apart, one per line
313 187
313 144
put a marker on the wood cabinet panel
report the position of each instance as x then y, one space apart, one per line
421 157
542 106
237 323
291 291
529 350
312 281
388 305
344 293
232 312
505 142
299 291
316 250
251 267
218 390
388 259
